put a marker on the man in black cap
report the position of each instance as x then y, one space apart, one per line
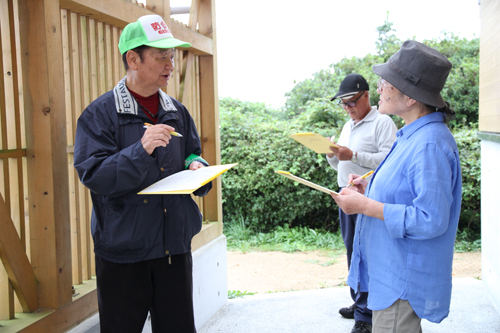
364 142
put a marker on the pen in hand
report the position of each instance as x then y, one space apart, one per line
146 125
366 175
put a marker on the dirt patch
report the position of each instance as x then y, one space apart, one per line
264 272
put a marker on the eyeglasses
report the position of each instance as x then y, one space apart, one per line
382 83
350 103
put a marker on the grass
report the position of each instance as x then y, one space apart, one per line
231 294
241 236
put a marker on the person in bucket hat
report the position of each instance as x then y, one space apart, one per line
364 142
126 140
409 212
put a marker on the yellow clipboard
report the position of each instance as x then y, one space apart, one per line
314 141
187 181
305 182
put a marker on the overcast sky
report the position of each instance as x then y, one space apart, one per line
263 46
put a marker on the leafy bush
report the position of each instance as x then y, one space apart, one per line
470 161
262 145
257 137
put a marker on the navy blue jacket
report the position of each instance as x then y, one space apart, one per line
112 163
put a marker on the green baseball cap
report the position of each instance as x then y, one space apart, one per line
149 30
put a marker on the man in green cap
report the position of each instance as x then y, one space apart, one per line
142 243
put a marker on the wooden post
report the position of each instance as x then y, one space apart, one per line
209 105
42 59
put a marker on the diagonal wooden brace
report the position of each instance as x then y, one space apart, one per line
16 263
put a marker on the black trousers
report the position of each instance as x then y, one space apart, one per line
164 286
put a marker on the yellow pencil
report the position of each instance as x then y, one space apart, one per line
366 175
146 125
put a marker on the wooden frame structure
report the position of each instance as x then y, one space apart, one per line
56 57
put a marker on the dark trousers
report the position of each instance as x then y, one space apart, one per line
164 287
347 228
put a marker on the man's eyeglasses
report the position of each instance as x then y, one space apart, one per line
350 103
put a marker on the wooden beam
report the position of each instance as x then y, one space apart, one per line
117 13
193 14
16 262
209 110
201 45
62 320
12 153
41 60
108 11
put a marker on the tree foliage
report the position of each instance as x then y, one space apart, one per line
257 136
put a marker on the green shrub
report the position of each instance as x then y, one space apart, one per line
261 145
470 160
258 138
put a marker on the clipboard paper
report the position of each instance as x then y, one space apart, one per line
187 181
305 182
314 141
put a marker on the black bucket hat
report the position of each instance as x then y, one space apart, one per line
418 71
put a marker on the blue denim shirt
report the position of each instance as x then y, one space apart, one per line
409 255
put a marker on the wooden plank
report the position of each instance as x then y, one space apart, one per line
41 50
81 216
16 262
117 57
209 109
108 55
71 52
11 127
57 322
121 13
4 17
101 77
18 82
6 296
193 14
12 153
84 71
201 45
158 7
83 306
185 93
209 231
117 13
92 45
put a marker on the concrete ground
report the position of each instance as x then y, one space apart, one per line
316 311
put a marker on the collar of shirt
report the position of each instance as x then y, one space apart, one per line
408 130
125 103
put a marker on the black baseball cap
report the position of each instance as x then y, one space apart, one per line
351 85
